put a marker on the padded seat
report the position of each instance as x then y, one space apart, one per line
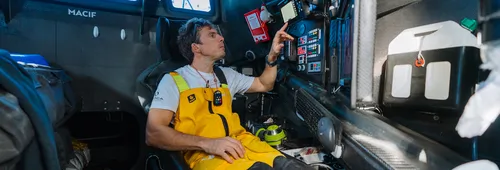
170 60
147 82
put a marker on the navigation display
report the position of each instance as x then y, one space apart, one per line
288 11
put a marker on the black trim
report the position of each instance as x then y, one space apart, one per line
220 75
210 107
224 122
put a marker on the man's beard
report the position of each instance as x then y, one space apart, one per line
214 57
221 56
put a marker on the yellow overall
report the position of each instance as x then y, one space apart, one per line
196 115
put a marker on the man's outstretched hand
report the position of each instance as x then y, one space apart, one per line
224 147
280 37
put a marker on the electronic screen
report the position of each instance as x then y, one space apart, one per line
313 50
301 50
303 40
313 36
288 11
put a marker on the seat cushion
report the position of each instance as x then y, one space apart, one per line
148 81
166 39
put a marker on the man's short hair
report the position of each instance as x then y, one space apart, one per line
188 34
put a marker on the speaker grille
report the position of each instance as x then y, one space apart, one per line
310 109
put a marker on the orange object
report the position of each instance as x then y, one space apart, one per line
420 62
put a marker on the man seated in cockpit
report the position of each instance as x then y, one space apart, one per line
204 128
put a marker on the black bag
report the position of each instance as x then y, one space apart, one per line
53 87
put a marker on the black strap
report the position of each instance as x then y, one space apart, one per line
220 75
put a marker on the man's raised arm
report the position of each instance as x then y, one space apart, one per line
265 82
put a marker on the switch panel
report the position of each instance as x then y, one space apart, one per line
302 59
313 50
314 67
314 35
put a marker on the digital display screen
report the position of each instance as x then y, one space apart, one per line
312 50
288 11
301 50
313 36
303 40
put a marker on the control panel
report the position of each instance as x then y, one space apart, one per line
309 52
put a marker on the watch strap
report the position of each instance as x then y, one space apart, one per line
272 64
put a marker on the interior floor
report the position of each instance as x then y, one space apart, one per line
113 138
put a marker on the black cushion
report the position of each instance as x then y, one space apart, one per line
170 60
163 37
147 83
166 40
148 80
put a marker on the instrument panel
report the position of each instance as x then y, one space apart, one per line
308 51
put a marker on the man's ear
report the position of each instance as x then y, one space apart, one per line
195 48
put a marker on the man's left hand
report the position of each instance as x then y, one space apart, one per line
280 37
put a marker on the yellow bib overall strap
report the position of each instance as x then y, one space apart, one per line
180 82
197 115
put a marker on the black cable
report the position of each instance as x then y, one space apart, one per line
474 148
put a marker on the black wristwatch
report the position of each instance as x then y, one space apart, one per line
272 64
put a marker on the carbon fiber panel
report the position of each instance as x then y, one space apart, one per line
384 151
